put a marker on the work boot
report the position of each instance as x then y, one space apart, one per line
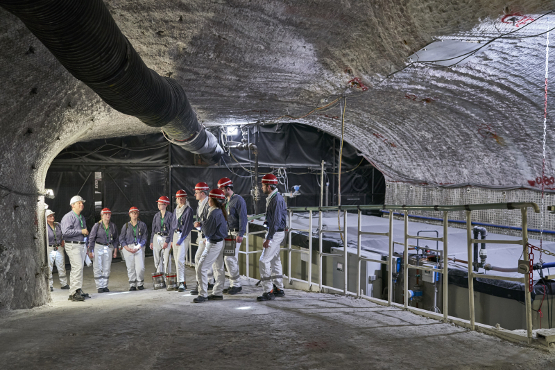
234 290
51 288
83 294
278 292
200 299
76 297
195 291
213 297
140 287
266 297
132 289
65 287
181 287
106 289
226 290
100 290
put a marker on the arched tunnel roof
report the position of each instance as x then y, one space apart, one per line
479 122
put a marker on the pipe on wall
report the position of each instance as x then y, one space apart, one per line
86 40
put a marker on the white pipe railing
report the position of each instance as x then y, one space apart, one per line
406 266
389 261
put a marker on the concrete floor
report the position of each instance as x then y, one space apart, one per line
159 329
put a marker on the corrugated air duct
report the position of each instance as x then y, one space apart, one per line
84 37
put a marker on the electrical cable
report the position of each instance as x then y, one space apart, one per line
230 170
351 170
472 52
84 182
466 55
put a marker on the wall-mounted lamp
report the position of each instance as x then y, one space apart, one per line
231 130
49 193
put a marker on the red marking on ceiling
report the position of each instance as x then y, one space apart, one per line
357 83
384 139
516 19
416 99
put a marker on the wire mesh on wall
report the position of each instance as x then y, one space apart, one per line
398 193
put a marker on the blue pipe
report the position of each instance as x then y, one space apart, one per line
473 223
548 265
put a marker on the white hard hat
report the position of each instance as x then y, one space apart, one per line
76 198
49 212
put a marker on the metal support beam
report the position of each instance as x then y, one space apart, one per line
406 262
390 262
469 268
445 279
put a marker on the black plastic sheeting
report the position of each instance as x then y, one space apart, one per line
295 144
136 171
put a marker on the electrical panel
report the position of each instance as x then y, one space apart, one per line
430 276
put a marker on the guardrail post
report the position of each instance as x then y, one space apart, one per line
359 242
346 256
289 248
470 273
390 262
309 250
189 249
445 279
406 262
247 255
320 251
527 294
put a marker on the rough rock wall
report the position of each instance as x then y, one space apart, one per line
242 61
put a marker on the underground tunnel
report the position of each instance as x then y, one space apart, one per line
411 143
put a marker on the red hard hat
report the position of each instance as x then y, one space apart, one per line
163 199
180 194
269 179
133 209
217 194
105 211
224 181
202 186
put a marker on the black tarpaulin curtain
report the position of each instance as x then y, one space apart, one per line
135 171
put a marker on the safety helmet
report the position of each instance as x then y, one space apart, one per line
133 209
217 194
163 199
269 179
224 181
181 194
202 186
105 211
49 212
75 199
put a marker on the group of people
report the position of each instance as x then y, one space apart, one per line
221 214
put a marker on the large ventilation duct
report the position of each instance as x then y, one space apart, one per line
84 37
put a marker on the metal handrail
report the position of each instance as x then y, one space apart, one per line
523 206
447 208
